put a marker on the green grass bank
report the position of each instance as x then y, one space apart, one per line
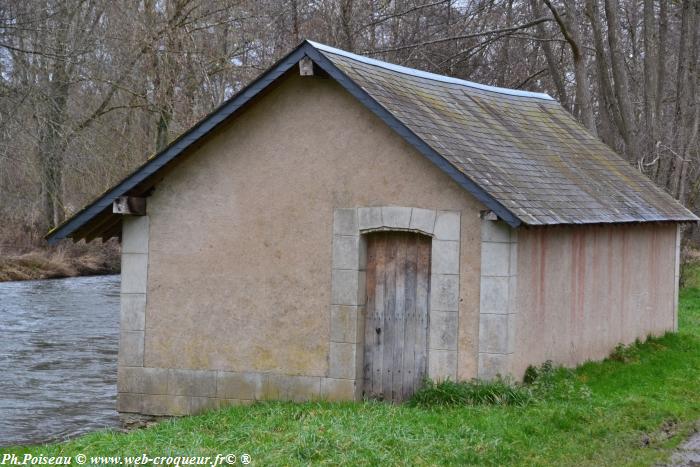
632 409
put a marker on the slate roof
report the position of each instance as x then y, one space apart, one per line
520 153
524 149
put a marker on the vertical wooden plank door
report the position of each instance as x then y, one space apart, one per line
396 322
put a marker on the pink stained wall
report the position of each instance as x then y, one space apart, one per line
583 290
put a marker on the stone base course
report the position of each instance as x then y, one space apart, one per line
163 391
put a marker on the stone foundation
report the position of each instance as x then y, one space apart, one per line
162 391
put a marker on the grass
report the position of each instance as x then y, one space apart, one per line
455 393
631 409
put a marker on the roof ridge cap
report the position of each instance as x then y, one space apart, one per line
428 75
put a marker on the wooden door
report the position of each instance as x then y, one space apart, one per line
396 323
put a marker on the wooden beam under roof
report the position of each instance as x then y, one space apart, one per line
129 206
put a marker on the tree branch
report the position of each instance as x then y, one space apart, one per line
564 29
465 36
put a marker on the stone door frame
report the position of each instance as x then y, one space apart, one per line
348 281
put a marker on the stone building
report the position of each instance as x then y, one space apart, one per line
344 227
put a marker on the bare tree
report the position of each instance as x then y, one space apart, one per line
90 88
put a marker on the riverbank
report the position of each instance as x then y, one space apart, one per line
634 408
62 261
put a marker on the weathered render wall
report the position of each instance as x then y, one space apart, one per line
240 245
583 290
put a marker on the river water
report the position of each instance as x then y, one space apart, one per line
58 358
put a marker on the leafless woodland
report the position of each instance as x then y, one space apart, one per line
91 88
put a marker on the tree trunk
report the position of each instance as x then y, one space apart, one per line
503 65
610 116
664 164
346 10
295 21
572 33
650 70
553 65
661 58
684 104
52 141
621 82
689 108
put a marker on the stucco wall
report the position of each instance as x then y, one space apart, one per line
240 233
583 290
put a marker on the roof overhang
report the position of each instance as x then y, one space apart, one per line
97 220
